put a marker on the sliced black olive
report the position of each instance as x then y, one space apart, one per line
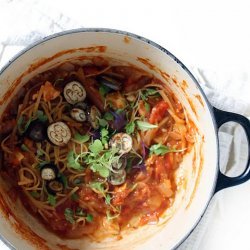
115 75
122 141
49 172
54 186
109 82
59 133
78 114
37 131
93 116
74 92
117 178
121 164
81 105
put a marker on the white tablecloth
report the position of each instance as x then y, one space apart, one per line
212 38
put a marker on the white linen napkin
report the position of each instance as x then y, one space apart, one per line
226 220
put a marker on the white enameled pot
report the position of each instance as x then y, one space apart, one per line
198 177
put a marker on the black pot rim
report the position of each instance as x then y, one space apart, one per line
115 31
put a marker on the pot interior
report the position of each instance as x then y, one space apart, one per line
196 176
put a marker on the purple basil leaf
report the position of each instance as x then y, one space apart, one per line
119 121
145 150
95 134
140 166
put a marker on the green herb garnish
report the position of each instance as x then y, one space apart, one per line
98 187
104 136
108 116
73 161
144 126
23 125
130 127
104 90
108 199
51 200
89 218
69 215
96 147
102 122
81 138
160 149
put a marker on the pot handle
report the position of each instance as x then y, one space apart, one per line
224 181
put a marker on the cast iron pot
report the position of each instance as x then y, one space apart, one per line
199 177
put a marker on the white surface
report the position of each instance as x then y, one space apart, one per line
210 35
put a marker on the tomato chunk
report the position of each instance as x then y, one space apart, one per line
159 111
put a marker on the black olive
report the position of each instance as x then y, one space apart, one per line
81 105
117 178
109 82
54 186
37 131
121 164
49 172
93 116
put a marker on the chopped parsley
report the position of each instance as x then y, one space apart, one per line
89 218
51 200
69 215
130 128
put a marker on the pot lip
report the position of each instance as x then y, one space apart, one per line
148 41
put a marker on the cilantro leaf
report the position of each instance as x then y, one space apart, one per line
81 138
23 125
97 186
108 116
102 122
160 149
51 200
108 199
150 91
104 136
72 161
144 126
103 171
130 127
96 147
69 215
89 218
